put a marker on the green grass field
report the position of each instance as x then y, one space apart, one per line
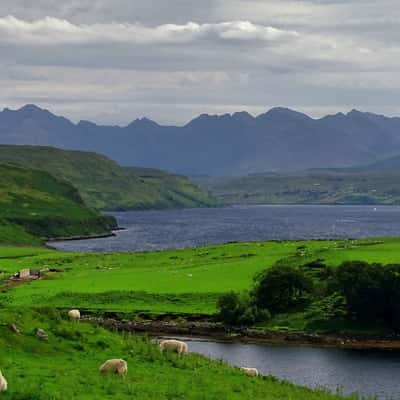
66 366
176 281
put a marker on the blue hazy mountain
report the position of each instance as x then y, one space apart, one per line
230 144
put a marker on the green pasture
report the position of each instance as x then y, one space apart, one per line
176 281
66 366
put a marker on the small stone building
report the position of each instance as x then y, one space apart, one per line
24 273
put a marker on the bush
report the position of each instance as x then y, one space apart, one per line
279 288
329 308
236 309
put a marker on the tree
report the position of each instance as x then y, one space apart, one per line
280 287
372 291
229 308
361 285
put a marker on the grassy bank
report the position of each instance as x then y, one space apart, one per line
66 366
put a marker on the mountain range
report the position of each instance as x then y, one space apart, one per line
218 145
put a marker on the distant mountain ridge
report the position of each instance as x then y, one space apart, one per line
373 184
218 145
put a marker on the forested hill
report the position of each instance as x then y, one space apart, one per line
105 185
378 183
35 206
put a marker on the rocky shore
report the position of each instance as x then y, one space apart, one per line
214 331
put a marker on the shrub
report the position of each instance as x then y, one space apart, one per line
236 309
331 307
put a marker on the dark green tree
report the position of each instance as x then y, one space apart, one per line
280 287
372 291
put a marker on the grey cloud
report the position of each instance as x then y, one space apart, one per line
55 31
98 11
113 61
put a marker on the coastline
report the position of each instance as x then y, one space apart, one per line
216 332
85 237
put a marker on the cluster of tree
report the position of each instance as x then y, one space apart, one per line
362 291
372 291
275 290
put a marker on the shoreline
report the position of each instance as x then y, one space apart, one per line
85 237
216 332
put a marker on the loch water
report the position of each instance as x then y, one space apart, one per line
157 230
369 373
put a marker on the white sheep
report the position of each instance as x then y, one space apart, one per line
74 314
249 371
3 383
115 366
174 345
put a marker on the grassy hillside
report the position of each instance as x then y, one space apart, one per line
345 186
104 185
35 205
66 366
166 190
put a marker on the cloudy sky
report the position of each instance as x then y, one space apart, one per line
112 61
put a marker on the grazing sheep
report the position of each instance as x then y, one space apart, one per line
115 366
74 314
174 345
3 383
249 371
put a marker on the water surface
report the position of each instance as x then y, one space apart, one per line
369 373
155 230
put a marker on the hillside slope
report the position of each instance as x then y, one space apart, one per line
34 205
225 145
66 366
378 183
103 184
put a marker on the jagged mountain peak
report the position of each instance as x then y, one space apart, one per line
143 122
282 113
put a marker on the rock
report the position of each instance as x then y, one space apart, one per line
41 334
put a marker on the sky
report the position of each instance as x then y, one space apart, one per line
112 61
